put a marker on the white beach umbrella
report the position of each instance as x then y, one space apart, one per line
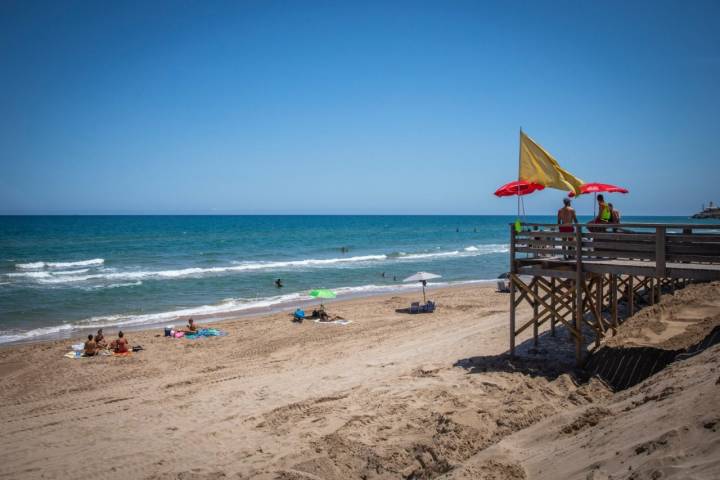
421 277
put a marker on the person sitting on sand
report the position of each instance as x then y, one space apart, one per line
120 344
100 339
91 347
320 312
190 327
323 316
317 312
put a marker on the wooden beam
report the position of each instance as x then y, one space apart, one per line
579 281
535 315
553 305
660 252
512 290
614 302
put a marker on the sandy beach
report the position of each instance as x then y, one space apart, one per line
390 395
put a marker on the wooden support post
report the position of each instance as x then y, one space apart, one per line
535 314
512 290
660 252
651 287
553 304
598 308
631 296
614 302
660 271
579 280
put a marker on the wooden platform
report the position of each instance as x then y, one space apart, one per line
579 278
559 267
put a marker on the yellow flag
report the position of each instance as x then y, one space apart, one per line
538 166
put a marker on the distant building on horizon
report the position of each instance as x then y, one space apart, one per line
712 211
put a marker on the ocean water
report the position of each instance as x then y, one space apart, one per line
60 275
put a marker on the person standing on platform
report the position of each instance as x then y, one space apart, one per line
566 217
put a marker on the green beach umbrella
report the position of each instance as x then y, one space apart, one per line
322 293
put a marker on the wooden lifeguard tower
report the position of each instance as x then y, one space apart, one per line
578 278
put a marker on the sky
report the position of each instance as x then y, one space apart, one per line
391 107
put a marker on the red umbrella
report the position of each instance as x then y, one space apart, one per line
519 187
599 187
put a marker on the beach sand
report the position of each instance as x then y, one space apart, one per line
390 395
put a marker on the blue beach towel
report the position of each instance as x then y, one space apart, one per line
206 332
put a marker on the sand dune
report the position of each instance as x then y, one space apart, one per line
666 427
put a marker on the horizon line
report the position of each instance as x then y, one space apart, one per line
205 214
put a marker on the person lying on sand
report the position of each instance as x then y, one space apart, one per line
91 347
100 339
323 315
120 344
330 318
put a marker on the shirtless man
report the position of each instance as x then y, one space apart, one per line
191 327
120 345
90 347
566 217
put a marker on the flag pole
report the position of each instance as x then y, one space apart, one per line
519 157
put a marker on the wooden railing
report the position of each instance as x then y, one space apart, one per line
657 243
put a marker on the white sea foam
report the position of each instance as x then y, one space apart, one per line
31 275
40 265
18 336
71 272
308 262
30 266
114 285
129 284
422 256
117 277
227 306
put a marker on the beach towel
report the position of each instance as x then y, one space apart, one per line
124 354
336 322
206 332
75 354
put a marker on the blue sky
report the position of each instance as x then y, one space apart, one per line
352 107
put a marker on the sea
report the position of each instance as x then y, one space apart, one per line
64 275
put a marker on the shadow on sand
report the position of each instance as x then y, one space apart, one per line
553 356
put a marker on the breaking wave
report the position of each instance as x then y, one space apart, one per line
38 272
53 265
